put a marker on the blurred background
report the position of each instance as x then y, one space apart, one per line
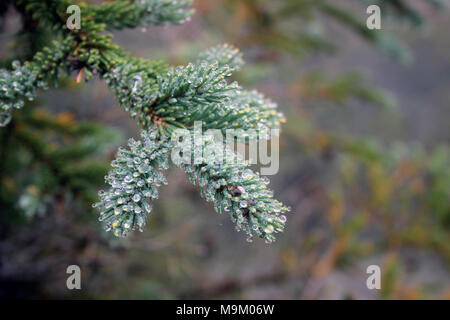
364 162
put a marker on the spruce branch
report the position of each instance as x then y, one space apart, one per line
161 99
134 180
237 190
113 15
196 92
131 14
224 55
22 81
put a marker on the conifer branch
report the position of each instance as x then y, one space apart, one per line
161 99
134 180
22 81
131 14
237 190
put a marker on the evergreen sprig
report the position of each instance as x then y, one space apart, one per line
196 92
132 14
161 99
237 190
22 81
134 180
